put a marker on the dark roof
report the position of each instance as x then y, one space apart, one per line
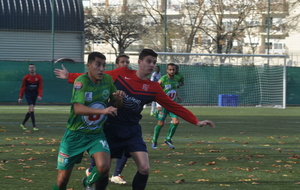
37 15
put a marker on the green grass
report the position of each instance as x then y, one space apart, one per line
251 148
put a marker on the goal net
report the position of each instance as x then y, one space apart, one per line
230 79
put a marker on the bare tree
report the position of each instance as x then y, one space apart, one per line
120 27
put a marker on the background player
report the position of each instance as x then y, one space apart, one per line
32 86
84 132
123 132
155 77
169 83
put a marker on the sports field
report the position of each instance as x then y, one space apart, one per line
250 148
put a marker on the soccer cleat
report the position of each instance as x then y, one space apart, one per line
87 173
23 127
35 128
154 145
151 114
89 187
118 179
170 144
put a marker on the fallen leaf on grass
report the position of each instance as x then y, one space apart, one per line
192 163
70 189
211 163
8 177
297 183
180 181
203 179
226 185
269 171
81 168
214 150
255 183
27 179
179 174
245 180
191 170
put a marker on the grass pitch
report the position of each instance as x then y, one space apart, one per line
251 148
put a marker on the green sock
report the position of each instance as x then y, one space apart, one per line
57 188
93 177
171 131
157 129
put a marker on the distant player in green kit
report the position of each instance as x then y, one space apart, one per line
169 83
93 92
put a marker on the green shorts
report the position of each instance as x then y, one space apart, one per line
74 144
161 115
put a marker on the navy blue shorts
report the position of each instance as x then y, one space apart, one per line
31 99
119 145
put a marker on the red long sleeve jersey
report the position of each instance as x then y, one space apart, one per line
32 86
138 93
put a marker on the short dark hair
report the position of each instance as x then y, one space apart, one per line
118 58
146 52
92 56
171 64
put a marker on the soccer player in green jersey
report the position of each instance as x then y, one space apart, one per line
92 94
169 83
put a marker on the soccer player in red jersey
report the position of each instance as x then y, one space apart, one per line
123 132
32 87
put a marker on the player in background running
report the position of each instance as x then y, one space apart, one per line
169 83
32 87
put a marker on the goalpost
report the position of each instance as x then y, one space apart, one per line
230 79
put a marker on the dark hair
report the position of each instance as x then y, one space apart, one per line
157 66
92 56
171 64
146 52
118 58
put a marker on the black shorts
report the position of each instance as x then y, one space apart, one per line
30 99
119 145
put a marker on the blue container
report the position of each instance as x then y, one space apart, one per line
228 100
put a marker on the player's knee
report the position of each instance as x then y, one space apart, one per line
62 182
176 122
103 169
145 170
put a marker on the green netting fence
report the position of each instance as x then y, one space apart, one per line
204 82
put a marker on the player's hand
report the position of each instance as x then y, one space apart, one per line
39 98
20 100
119 95
206 122
61 73
111 111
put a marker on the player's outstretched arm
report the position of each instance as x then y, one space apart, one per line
61 73
206 122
